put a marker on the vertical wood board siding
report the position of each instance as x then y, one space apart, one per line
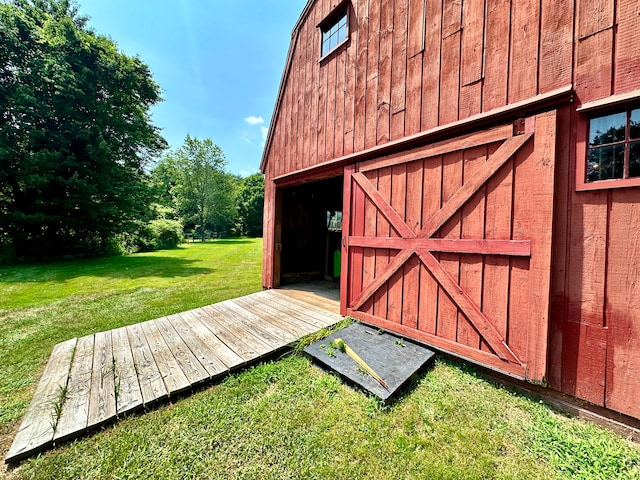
412 65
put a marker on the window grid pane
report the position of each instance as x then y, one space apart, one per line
342 33
605 163
608 129
634 124
325 46
634 159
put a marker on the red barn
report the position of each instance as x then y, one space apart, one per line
477 164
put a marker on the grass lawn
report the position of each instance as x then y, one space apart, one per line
281 419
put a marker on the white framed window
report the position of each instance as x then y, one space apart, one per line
334 29
334 35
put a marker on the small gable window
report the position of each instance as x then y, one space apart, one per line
613 149
335 30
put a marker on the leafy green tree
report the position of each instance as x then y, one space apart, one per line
75 132
225 215
251 205
162 180
195 176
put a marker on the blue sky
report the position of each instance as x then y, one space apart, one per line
219 63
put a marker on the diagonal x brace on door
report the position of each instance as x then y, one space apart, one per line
509 148
390 269
387 210
468 307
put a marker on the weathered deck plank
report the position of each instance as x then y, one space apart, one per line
110 373
75 413
126 380
189 364
172 375
274 335
197 322
231 336
316 297
212 364
284 297
102 397
294 308
275 307
37 427
233 322
149 375
275 319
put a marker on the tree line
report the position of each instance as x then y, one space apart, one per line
79 169
193 185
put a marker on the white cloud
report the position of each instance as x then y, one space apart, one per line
252 120
257 132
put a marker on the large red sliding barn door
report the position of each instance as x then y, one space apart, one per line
450 244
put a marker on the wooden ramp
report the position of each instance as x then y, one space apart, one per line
92 380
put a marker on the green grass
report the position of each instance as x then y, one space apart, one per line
281 419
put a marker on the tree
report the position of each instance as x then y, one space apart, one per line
251 205
197 179
75 132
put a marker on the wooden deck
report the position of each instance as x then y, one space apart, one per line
92 380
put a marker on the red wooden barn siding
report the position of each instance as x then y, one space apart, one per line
412 65
409 66
595 315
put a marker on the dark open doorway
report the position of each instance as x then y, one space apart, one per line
311 231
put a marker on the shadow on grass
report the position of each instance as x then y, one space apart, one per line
166 267
132 267
222 241
122 267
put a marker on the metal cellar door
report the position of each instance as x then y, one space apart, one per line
450 244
